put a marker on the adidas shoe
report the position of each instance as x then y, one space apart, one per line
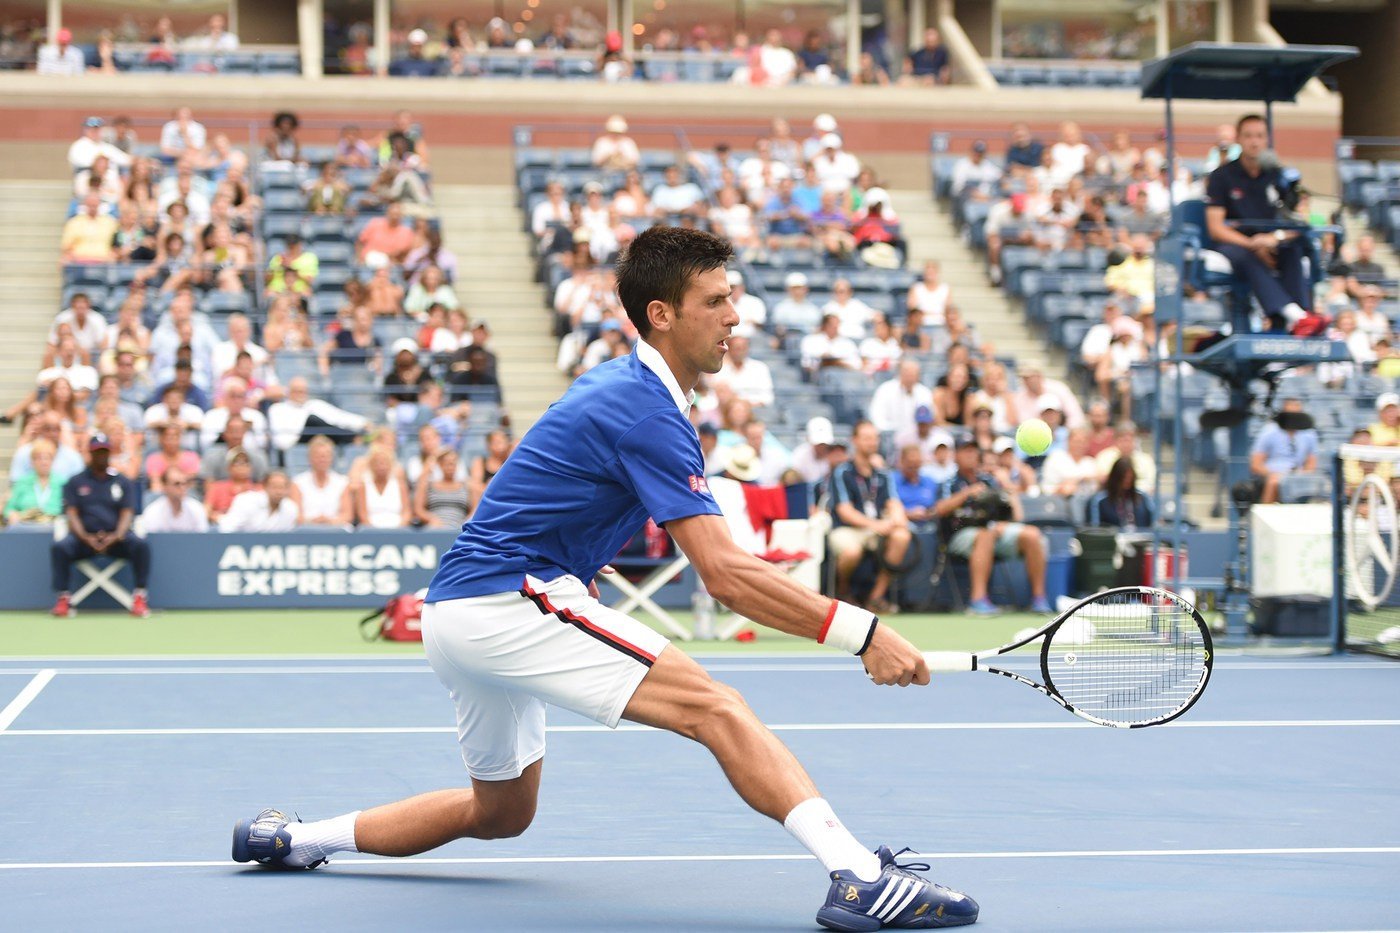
898 900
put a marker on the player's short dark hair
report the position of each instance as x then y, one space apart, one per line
659 265
1249 118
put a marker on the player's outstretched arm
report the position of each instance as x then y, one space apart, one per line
758 591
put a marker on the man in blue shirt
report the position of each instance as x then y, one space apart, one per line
916 489
867 516
1283 448
929 64
100 505
512 621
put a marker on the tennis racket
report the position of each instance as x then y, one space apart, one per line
1128 657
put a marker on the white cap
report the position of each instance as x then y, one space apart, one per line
404 343
735 277
795 280
742 463
1048 402
376 260
417 37
615 124
941 438
524 45
1003 444
824 123
874 195
831 141
820 431
742 329
1387 399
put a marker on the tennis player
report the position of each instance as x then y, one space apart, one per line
513 623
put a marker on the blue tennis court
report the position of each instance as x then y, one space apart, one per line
1270 806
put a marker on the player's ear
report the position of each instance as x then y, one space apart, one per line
660 314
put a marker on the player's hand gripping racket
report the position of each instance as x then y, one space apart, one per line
1129 657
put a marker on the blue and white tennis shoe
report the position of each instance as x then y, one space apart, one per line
264 839
897 900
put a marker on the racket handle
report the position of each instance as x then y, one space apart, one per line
950 662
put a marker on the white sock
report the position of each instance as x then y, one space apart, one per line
813 824
1293 313
312 842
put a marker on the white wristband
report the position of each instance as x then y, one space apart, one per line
848 627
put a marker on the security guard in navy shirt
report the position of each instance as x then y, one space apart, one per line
100 505
1245 189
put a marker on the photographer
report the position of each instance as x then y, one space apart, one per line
868 516
1252 187
981 522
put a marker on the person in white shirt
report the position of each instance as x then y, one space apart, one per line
975 176
1055 221
778 62
263 510
773 458
881 350
182 133
173 408
836 169
752 311
1069 470
1070 155
240 339
675 195
895 401
733 220
553 209
749 379
69 364
321 492
61 57
88 327
89 146
217 39
215 419
810 459
1099 338
175 510
616 151
796 311
930 294
827 347
302 418
854 314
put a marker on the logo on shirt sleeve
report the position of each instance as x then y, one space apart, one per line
698 484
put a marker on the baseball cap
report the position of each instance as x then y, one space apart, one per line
610 324
923 415
831 141
1048 402
65 35
1387 399
942 438
877 196
964 439
404 344
1018 201
979 146
820 431
1003 444
824 123
615 124
417 37
99 442
236 453
735 277
480 324
593 187
706 429
92 122
795 280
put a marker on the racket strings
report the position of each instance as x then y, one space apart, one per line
1127 657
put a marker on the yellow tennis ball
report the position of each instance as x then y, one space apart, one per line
1034 437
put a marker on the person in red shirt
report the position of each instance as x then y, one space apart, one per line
170 454
219 495
388 235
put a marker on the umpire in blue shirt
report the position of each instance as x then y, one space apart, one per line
100 505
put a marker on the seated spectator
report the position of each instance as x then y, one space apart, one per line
795 311
234 401
867 516
1101 433
100 505
328 194
176 509
1120 504
914 336
981 522
430 289
1125 444
1023 152
355 345
1113 368
976 177
471 367
322 494
485 467
777 63
69 364
381 497
295 256
1133 277
406 374
1118 160
88 235
441 498
1034 384
734 220
47 427
770 456
173 409
915 489
1056 221
216 38
37 496
61 57
129 412
351 150
1385 431
287 327
87 147
383 295
928 64
261 510
1141 217
405 126
881 350
930 294
631 200
895 401
169 454
810 458
835 169
1011 472
1281 449
220 493
1071 470
240 340
300 418
870 71
429 252
954 397
828 347
214 463
677 195
415 63
752 311
281 144
787 219
615 151
855 315
554 209
1070 154
1009 222
923 434
451 334
1370 320
388 235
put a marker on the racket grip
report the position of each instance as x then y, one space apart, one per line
950 662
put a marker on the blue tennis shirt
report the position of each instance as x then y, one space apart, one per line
616 448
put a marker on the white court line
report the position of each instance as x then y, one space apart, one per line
803 857
26 696
780 727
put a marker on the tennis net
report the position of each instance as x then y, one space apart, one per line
1366 548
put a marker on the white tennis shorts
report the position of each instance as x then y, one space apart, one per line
504 657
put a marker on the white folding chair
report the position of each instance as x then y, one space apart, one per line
98 577
639 594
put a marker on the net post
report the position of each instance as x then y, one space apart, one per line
1337 619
